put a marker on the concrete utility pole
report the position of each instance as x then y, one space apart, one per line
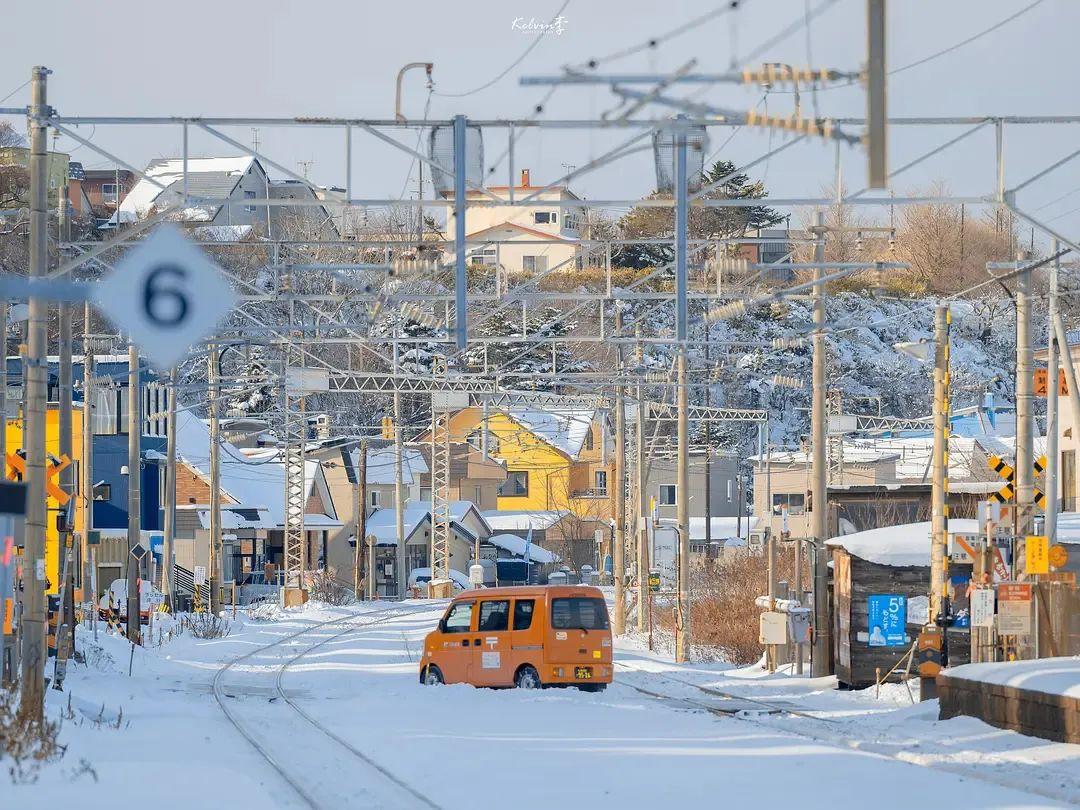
819 514
1025 396
87 453
939 507
644 606
618 560
1052 403
361 517
402 575
134 427
213 569
167 550
67 477
682 476
34 373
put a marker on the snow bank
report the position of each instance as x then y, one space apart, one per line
1053 676
904 545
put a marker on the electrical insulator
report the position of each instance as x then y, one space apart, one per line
656 377
410 267
784 381
803 126
732 309
788 343
413 311
732 265
773 74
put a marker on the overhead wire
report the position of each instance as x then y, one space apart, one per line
502 74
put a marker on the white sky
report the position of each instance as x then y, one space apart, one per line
284 58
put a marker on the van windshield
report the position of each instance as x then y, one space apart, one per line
579 613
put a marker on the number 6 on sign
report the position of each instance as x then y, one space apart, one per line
166 294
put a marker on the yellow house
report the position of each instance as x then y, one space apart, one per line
554 459
52 446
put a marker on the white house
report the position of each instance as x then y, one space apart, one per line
520 238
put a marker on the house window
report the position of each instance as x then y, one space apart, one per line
374 499
249 195
102 492
571 222
545 217
536 264
794 501
667 495
425 494
730 488
516 484
108 191
601 482
478 495
485 256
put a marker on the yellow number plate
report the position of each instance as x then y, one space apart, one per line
583 673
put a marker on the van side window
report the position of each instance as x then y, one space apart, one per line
494 615
523 613
459 618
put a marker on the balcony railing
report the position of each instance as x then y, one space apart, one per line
595 492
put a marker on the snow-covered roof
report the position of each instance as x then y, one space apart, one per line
221 233
904 545
523 520
1068 528
566 431
516 545
383 523
254 483
166 172
381 465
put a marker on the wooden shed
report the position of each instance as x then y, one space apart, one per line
872 570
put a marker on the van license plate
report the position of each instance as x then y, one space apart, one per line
583 673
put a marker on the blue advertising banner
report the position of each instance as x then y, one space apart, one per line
887 620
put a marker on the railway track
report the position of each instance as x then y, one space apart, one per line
285 769
829 732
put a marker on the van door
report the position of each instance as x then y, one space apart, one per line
492 663
455 648
579 638
526 636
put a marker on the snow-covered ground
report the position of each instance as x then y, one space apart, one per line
653 739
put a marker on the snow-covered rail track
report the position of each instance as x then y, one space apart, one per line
826 731
408 796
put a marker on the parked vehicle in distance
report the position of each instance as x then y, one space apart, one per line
115 599
529 636
422 576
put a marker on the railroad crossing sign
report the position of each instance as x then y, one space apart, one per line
1059 556
166 294
17 462
1005 470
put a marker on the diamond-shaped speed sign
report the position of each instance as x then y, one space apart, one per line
166 294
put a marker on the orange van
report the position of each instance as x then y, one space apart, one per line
529 637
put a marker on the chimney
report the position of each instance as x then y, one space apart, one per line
524 178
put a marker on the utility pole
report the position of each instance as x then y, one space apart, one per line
87 456
361 517
682 477
67 476
939 506
214 574
34 373
641 519
1052 403
1025 395
618 560
819 514
167 550
134 426
402 575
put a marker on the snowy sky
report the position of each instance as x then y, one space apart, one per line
279 57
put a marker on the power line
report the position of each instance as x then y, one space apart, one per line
515 63
13 92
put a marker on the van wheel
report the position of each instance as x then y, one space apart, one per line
432 676
527 678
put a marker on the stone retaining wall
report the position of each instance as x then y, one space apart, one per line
1037 714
